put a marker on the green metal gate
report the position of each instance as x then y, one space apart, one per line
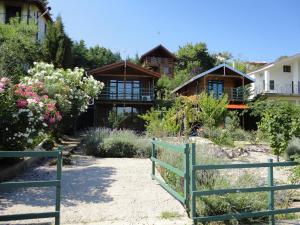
191 193
25 184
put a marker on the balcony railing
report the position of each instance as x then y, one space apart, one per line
156 61
278 89
238 94
141 95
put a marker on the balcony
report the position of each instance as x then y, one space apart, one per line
141 95
157 61
278 90
234 94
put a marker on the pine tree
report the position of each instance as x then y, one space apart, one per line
57 45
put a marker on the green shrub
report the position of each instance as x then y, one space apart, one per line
293 149
103 142
92 139
241 135
219 136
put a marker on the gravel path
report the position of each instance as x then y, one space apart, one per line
98 191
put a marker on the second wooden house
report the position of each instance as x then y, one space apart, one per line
217 81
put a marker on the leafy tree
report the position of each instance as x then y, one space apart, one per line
92 57
100 56
194 58
280 120
211 110
80 54
135 59
19 48
57 45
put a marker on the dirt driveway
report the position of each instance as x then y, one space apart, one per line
99 191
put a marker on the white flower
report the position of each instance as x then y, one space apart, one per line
30 141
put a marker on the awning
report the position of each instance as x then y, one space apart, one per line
237 106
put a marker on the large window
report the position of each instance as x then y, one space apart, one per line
129 111
129 90
12 11
216 88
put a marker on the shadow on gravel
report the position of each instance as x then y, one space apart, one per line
79 185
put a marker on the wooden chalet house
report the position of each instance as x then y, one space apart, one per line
160 60
129 88
217 81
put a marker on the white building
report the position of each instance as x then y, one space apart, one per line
26 10
279 80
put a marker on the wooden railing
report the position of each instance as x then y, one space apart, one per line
25 184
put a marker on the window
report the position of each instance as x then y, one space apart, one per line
216 88
287 69
112 89
264 84
272 85
11 12
120 110
166 70
129 90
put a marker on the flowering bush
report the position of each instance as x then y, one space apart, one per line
26 112
70 89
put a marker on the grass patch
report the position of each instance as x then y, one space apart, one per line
167 215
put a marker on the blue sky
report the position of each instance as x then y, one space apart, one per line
257 30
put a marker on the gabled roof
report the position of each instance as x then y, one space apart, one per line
115 68
269 65
158 51
42 7
214 69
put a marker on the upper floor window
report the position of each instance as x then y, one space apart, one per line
11 12
166 70
287 68
272 85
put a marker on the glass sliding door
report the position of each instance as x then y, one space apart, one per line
216 88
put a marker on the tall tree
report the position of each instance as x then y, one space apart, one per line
57 45
194 58
80 54
99 56
92 57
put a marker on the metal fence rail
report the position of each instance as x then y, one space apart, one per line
191 193
25 184
182 149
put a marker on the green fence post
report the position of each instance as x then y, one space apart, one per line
193 182
58 187
271 192
186 165
154 156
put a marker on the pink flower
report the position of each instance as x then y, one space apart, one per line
1 90
51 106
58 116
5 80
52 120
21 103
45 96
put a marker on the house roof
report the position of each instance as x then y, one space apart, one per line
158 51
212 70
278 62
116 68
